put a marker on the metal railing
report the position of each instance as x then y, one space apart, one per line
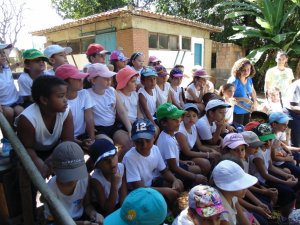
59 212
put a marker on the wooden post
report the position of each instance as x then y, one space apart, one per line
59 212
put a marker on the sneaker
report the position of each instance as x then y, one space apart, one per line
6 147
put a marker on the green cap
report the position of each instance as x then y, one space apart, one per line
168 110
33 54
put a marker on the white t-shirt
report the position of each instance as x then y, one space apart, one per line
193 89
183 218
205 129
168 147
230 214
191 137
162 95
294 92
78 106
104 107
98 175
130 104
49 72
151 99
73 203
266 157
8 91
143 168
44 140
25 84
176 92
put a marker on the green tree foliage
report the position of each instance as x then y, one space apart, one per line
75 9
272 25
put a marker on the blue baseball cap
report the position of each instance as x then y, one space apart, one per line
142 128
143 206
100 149
279 117
148 71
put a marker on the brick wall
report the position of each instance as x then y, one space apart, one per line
227 54
133 40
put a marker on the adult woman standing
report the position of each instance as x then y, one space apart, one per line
245 94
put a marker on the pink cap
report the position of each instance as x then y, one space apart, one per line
66 71
153 59
251 125
96 48
233 140
117 55
99 70
124 75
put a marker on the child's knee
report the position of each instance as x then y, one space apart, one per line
194 169
204 164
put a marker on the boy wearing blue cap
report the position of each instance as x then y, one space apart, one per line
143 206
144 163
283 155
108 178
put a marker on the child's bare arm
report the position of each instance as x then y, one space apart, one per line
195 98
67 133
26 134
169 177
89 121
124 190
122 114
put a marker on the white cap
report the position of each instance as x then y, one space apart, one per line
54 49
229 176
215 103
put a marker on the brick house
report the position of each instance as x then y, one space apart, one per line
172 39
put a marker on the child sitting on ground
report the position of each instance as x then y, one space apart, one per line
234 144
108 106
162 86
142 206
80 104
108 178
176 76
10 101
144 163
45 123
227 92
34 66
273 101
268 175
71 185
232 183
283 155
205 207
57 56
189 142
197 88
212 125
126 88
169 117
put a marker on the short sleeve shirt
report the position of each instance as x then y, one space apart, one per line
168 147
25 84
205 129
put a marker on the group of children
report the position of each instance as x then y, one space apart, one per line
145 135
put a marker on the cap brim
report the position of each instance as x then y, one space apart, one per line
194 108
104 52
145 135
5 46
210 211
68 50
173 115
242 183
43 57
72 174
114 219
79 75
177 75
162 74
236 144
256 144
267 137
